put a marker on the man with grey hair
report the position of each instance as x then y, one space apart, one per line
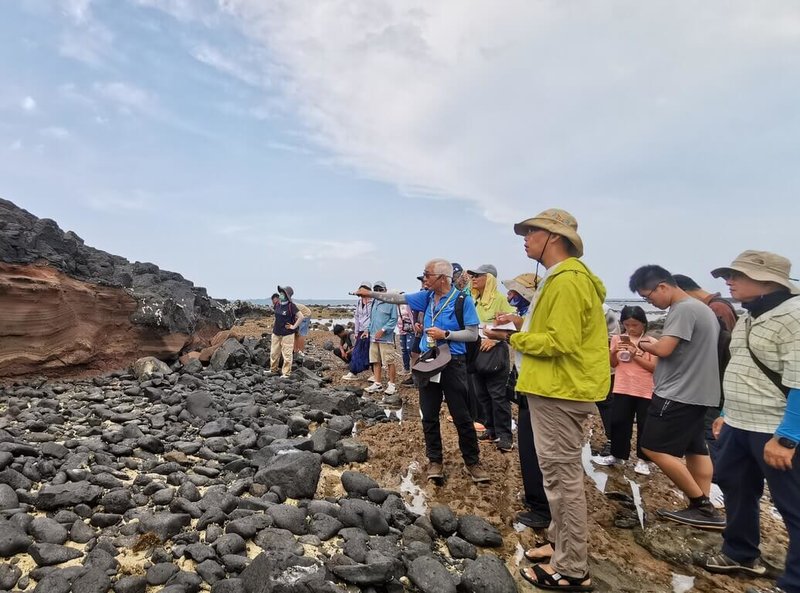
450 320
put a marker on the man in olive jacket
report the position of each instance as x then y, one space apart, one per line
564 370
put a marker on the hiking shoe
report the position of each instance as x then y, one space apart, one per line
642 467
773 589
350 377
477 473
487 435
607 460
374 388
505 446
705 517
390 389
722 564
533 519
435 470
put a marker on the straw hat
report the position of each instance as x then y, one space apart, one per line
524 284
559 222
761 266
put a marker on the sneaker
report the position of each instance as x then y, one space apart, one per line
374 388
705 517
477 473
390 389
716 497
608 460
505 446
487 435
722 564
533 519
435 470
285 376
642 467
606 450
350 377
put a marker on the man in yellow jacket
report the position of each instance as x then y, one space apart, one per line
562 350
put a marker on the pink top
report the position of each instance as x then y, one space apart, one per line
631 378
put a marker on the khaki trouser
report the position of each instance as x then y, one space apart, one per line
281 345
558 433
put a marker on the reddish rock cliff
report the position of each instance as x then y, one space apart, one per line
52 323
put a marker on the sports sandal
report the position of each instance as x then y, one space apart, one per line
552 582
541 553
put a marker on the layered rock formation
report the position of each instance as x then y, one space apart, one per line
66 305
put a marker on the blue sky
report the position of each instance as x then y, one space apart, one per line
245 143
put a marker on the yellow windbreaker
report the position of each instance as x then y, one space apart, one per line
565 348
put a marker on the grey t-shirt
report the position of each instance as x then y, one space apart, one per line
691 373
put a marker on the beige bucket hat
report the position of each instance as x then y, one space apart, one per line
524 284
762 266
559 222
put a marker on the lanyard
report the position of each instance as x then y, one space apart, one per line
433 307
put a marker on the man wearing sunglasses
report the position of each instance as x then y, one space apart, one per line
441 302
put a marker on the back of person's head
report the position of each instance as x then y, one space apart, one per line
633 312
648 277
337 329
275 295
685 283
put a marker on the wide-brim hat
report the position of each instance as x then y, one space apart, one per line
524 284
287 290
559 222
432 361
761 266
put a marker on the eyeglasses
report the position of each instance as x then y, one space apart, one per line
378 288
429 274
732 275
649 294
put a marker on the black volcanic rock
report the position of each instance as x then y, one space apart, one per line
166 299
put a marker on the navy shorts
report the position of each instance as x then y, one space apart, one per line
675 428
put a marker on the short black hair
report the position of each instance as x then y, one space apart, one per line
337 329
633 312
648 277
685 283
275 295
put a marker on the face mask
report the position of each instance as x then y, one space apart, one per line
283 298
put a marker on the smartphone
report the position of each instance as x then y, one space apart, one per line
625 339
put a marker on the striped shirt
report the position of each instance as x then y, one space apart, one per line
752 401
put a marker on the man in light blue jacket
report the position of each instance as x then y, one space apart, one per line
382 351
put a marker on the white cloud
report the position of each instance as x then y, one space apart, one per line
28 104
238 68
182 10
78 10
55 132
127 97
85 39
521 105
15 145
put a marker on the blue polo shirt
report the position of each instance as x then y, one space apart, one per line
446 319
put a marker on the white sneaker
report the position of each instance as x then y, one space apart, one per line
642 467
349 377
371 378
716 497
390 389
607 460
374 388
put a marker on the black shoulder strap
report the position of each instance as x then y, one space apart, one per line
460 309
773 376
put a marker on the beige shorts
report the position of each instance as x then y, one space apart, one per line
385 354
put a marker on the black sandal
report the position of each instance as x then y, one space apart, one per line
539 559
545 580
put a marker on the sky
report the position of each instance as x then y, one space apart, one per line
247 143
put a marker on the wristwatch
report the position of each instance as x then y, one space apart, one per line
788 443
447 334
